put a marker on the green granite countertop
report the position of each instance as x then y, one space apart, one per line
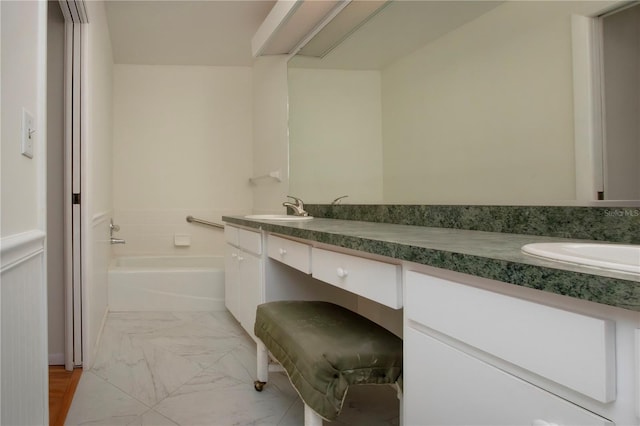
490 255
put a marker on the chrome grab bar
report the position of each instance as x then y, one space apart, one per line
191 219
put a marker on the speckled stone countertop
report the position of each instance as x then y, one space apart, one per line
490 255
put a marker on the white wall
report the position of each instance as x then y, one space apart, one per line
23 311
19 90
182 145
485 113
97 158
270 133
335 135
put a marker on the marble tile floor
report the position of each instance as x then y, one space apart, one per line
197 368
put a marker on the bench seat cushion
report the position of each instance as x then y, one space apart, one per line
324 348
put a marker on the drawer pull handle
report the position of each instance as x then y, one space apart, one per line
240 258
282 252
234 255
540 422
342 272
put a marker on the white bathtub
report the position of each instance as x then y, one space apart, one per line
165 283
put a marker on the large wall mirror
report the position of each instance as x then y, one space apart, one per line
453 102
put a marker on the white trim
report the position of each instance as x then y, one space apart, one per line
68 222
74 11
94 352
19 248
588 123
75 134
276 18
41 120
77 216
285 21
336 10
86 204
56 359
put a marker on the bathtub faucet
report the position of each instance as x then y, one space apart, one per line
114 228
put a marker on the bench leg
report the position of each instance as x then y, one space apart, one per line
311 418
262 369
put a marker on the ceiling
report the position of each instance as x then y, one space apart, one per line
397 30
219 32
184 32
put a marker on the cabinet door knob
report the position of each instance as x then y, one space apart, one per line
240 258
342 272
540 422
283 251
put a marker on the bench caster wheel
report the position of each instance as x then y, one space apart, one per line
258 385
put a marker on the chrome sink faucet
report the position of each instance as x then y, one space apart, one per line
337 200
297 206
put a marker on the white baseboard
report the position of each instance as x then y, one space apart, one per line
94 350
56 359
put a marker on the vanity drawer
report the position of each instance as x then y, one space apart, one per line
292 253
250 241
445 386
375 280
574 350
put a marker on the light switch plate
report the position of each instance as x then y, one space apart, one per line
26 143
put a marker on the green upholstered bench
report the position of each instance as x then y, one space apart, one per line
324 348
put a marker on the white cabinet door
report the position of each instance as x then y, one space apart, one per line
231 280
445 386
243 275
249 289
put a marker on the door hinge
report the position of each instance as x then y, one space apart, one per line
75 198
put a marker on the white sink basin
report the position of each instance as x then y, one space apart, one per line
619 257
280 217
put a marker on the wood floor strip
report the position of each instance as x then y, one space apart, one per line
62 386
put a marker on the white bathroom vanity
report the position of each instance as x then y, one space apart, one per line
476 350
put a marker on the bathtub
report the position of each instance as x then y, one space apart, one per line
166 283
